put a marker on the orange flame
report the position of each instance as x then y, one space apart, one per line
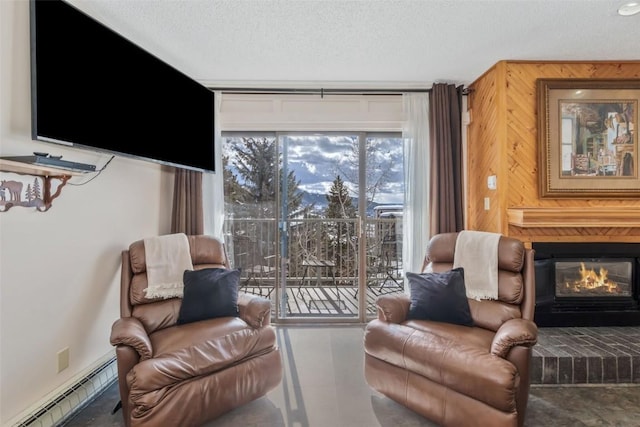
590 280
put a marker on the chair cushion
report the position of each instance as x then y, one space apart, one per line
440 297
209 293
464 367
194 349
206 252
511 254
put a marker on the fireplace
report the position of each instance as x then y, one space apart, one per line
587 284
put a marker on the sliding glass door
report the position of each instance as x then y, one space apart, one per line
314 221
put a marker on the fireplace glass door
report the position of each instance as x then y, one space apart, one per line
594 278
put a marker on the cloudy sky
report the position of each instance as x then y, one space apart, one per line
318 160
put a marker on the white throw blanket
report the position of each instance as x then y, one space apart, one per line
477 253
167 257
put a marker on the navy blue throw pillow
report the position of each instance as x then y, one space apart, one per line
440 297
209 293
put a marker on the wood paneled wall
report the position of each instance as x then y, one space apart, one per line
503 141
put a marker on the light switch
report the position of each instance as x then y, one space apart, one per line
487 204
492 182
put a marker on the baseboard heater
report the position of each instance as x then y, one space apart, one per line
66 403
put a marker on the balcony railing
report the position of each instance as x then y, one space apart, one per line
322 252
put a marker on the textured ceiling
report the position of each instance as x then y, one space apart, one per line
358 43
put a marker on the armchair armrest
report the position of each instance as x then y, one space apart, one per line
393 308
130 332
512 333
254 309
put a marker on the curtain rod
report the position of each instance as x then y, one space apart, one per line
323 91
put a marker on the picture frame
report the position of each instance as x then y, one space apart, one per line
587 138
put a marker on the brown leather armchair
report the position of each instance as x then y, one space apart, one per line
179 375
452 374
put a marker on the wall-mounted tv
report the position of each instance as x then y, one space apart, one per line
94 89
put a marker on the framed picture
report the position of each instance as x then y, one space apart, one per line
588 139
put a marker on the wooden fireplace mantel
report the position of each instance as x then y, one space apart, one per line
574 217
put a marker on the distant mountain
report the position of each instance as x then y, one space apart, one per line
320 202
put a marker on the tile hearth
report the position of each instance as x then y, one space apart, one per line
587 355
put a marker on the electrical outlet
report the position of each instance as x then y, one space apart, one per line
63 359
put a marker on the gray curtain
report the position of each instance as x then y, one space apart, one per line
187 214
445 120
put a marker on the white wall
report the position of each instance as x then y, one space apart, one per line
304 112
60 269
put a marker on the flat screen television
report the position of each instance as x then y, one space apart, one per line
94 89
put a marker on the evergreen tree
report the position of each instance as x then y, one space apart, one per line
250 168
294 197
341 234
340 203
256 162
252 192
233 191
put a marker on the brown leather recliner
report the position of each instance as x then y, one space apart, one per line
459 375
179 375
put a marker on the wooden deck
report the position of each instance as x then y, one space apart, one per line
324 301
